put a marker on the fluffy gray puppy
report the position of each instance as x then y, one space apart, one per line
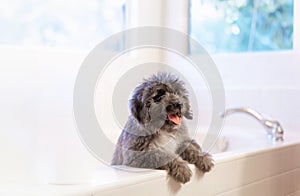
155 136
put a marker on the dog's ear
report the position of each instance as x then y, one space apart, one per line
189 113
135 107
135 103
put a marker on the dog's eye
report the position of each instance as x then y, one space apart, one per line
159 95
161 92
157 98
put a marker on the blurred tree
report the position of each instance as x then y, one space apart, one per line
242 25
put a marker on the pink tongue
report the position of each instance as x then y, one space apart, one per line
175 119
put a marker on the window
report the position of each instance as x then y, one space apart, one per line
242 25
220 25
76 24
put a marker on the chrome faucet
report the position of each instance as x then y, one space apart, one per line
273 127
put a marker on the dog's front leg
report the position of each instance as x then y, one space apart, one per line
178 169
192 153
175 166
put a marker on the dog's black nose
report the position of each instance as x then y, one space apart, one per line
173 107
177 105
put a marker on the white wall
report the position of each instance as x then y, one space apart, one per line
38 138
267 82
168 13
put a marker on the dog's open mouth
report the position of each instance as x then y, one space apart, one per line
175 118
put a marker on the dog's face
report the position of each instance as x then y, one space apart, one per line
160 101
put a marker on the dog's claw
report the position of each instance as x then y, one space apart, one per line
183 174
205 163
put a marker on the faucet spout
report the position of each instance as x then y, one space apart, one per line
273 127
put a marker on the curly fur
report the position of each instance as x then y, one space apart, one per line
151 140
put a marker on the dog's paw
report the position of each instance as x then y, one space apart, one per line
205 162
181 173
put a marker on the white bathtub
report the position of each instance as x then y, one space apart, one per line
252 165
39 146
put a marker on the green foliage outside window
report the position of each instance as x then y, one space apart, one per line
242 25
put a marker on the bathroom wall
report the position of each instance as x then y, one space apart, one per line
268 82
38 134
